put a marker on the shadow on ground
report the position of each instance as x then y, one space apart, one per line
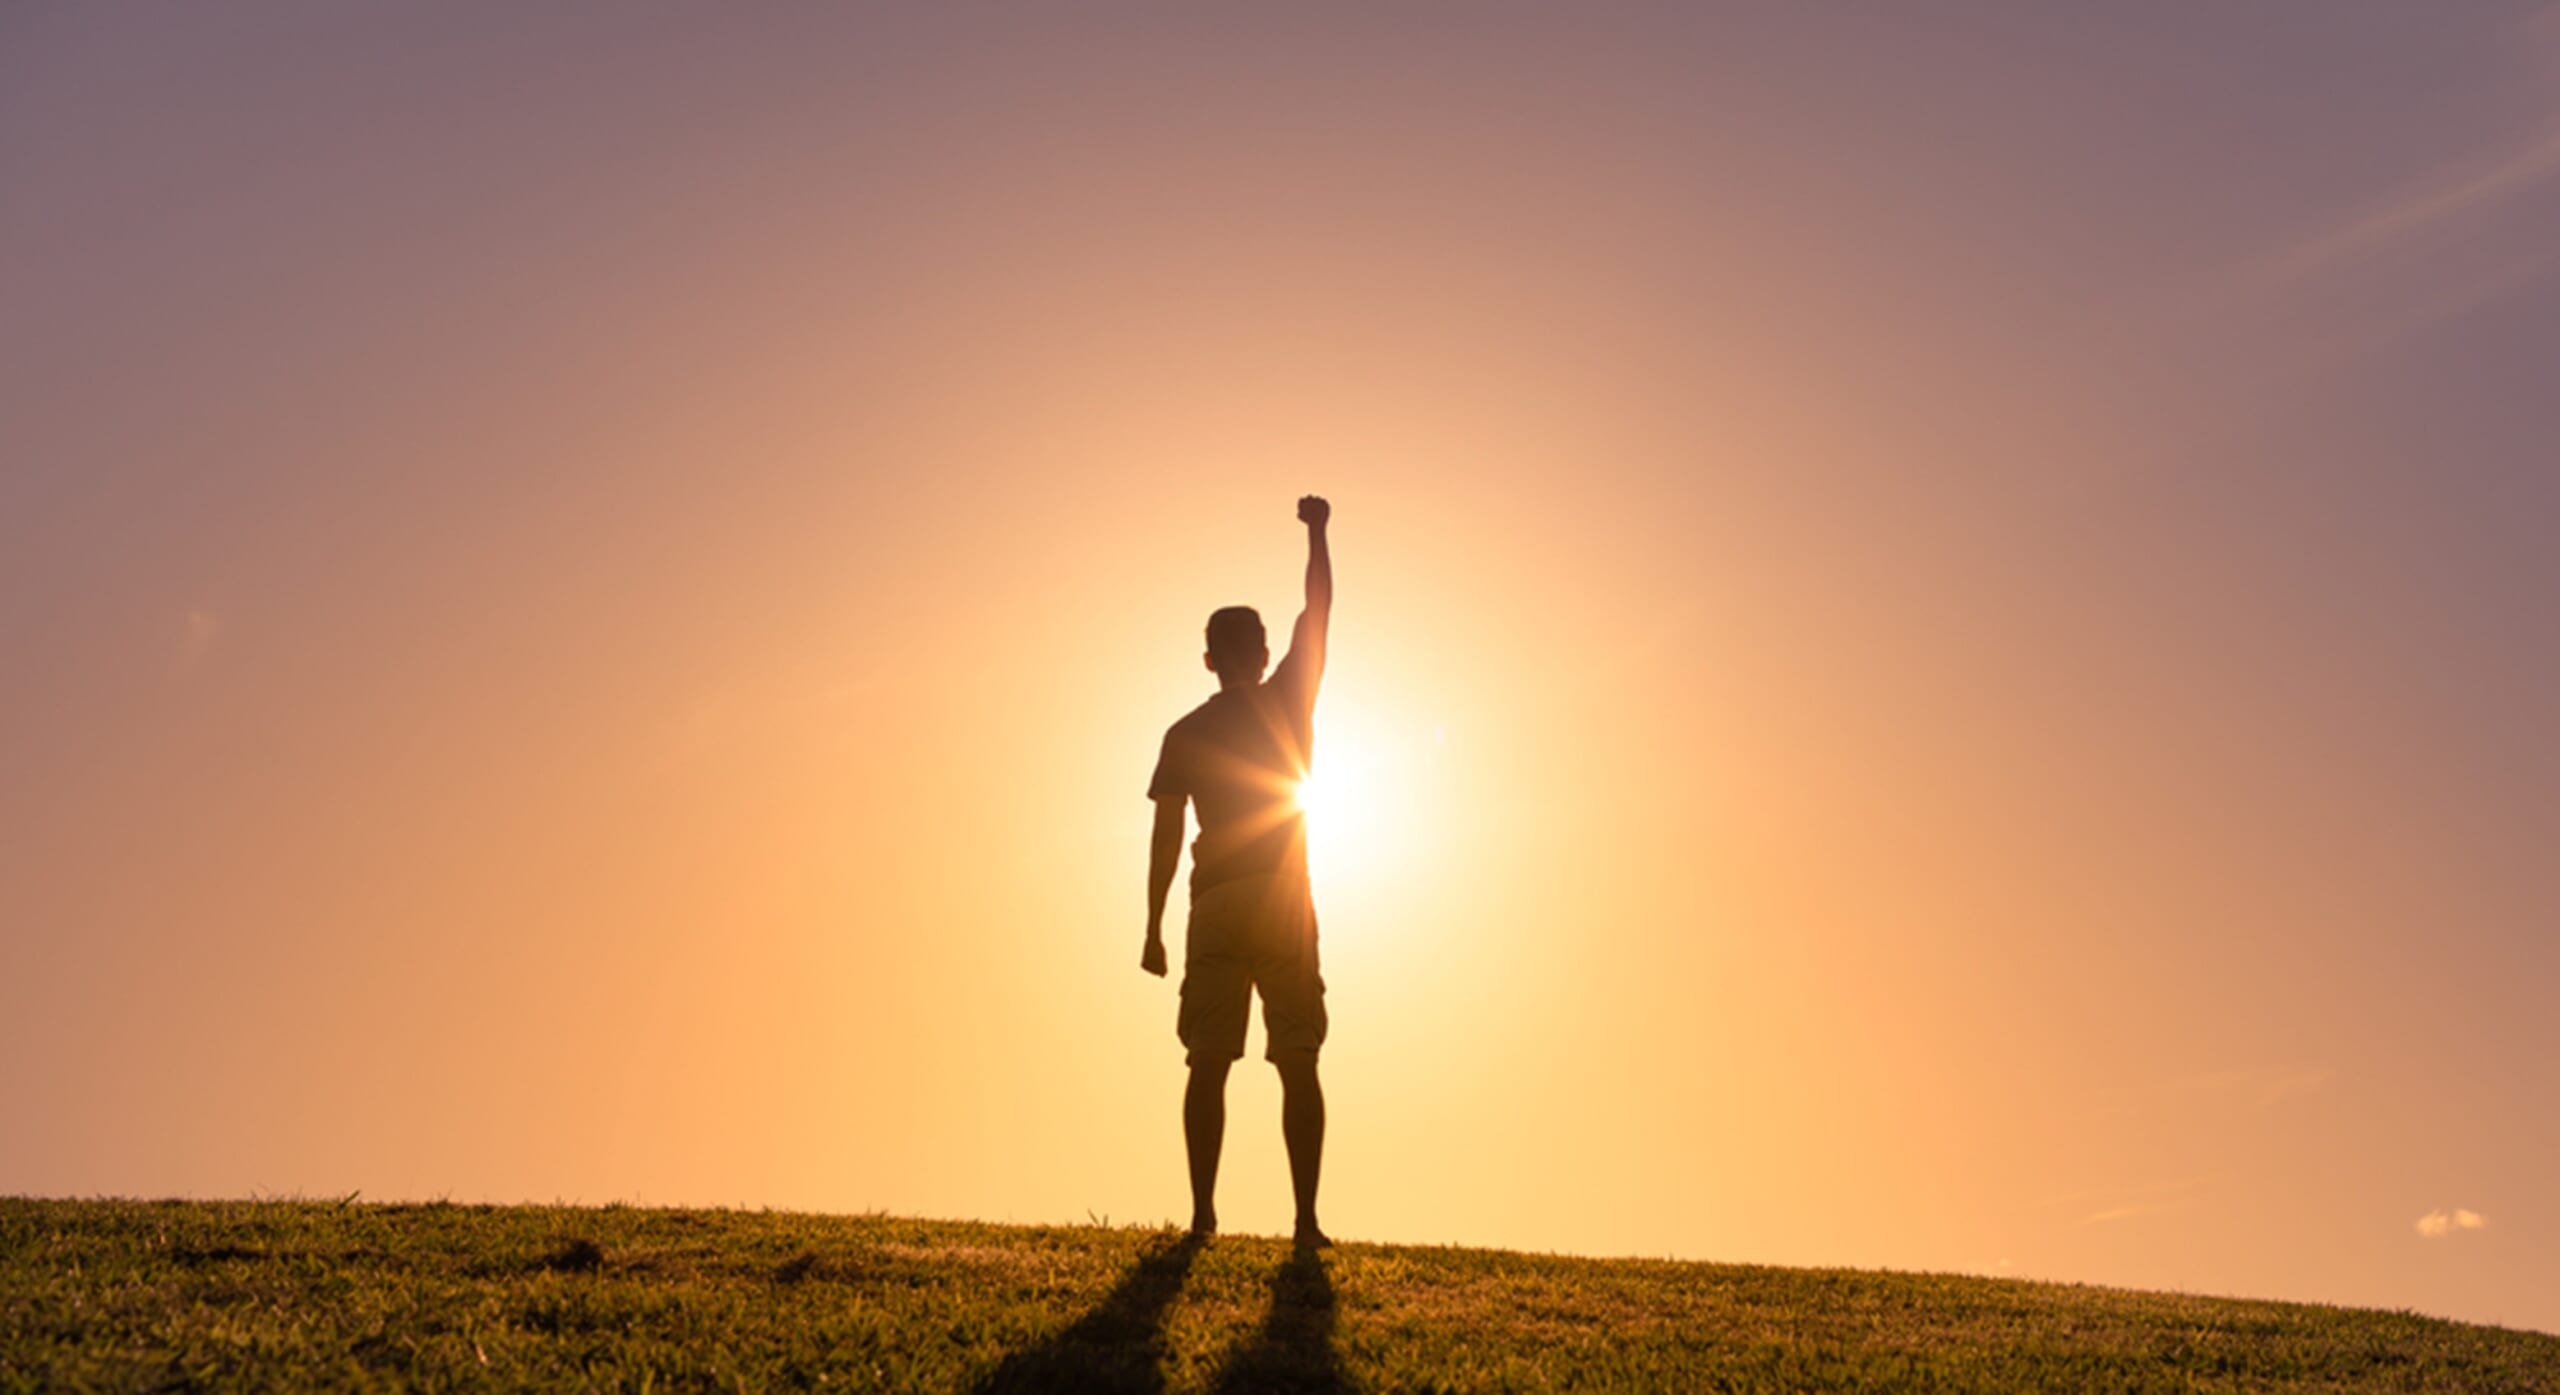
1119 1347
1294 1349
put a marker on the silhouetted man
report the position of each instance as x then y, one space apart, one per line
1239 758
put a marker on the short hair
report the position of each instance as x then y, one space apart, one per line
1235 633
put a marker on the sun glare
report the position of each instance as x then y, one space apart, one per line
1353 802
1332 798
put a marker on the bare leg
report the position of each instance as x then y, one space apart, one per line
1204 1129
1302 1128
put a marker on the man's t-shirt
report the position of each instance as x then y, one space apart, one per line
1238 758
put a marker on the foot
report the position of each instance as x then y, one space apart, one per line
1309 1237
1204 1225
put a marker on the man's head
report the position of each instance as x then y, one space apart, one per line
1238 650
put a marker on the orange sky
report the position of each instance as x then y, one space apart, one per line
1939 650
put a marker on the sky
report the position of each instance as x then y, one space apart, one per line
1943 656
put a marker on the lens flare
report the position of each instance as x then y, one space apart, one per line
1348 800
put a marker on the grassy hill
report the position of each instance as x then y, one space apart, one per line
117 1295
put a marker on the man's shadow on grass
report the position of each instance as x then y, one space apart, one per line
1119 1346
1294 1349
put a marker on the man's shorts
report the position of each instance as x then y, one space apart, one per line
1255 933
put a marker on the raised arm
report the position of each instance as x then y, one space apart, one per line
1306 644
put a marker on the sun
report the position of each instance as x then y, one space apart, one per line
1335 797
1352 802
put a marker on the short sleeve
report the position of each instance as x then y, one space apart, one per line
1171 780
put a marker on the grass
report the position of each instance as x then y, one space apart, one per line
272 1295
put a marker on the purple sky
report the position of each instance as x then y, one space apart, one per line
2162 393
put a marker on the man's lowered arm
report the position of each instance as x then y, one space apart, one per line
1164 855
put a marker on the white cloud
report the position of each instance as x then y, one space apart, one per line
2461 235
2439 1223
2457 193
2128 1210
2099 1205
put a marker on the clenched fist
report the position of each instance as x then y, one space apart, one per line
1313 511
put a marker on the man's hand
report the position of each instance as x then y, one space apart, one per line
1313 511
1151 958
